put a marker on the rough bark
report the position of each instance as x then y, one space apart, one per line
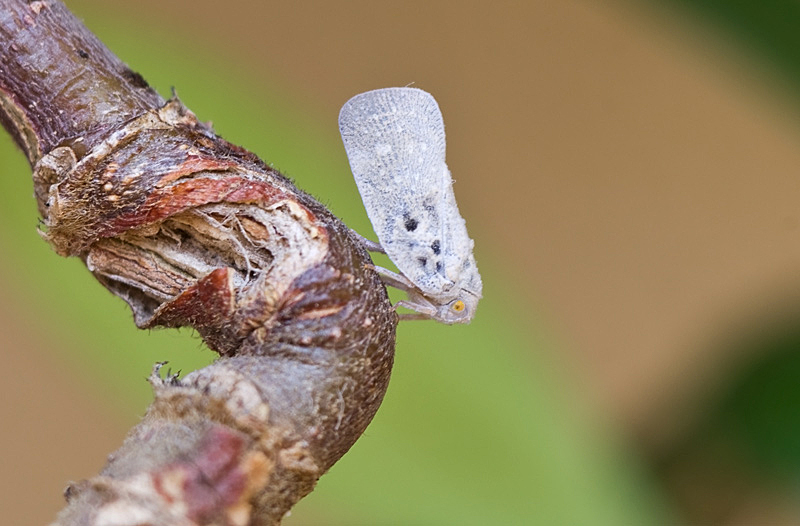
191 230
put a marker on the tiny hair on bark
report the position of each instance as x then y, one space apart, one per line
192 231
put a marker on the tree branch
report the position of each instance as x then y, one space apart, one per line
191 230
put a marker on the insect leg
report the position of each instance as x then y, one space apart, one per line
423 312
393 279
372 246
416 301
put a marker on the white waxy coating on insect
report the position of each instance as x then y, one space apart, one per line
395 142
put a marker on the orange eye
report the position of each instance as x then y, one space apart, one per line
459 306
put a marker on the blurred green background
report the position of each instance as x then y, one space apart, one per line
629 173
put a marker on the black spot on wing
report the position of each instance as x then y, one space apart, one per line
436 247
410 223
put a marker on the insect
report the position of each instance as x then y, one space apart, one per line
394 139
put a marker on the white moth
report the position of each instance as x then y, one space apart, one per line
394 139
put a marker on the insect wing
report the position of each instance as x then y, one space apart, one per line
395 142
458 259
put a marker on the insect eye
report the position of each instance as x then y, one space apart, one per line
458 306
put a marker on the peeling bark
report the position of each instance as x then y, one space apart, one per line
191 230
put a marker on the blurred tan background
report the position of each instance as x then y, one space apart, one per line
628 173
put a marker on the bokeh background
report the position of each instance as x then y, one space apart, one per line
629 172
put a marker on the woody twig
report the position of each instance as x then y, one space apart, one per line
191 230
